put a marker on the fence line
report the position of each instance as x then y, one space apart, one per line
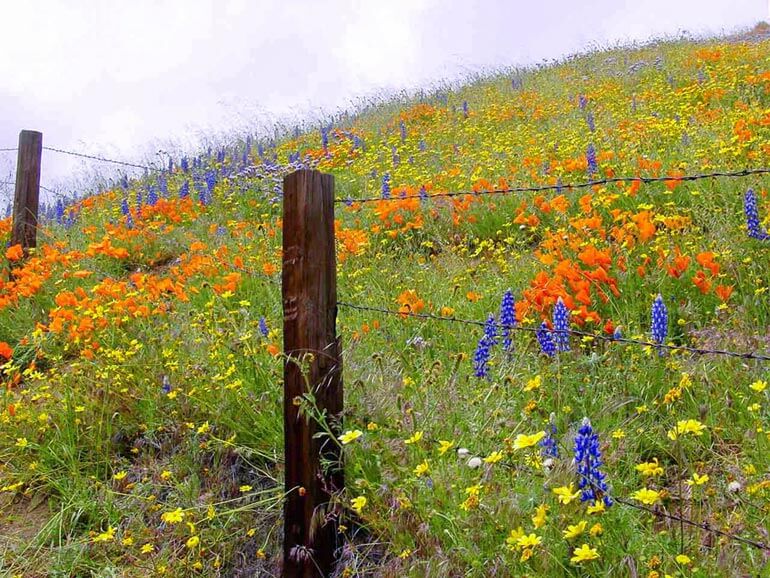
702 525
577 332
96 158
8 150
561 186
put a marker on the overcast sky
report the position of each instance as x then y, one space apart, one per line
127 78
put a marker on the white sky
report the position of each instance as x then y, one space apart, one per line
127 78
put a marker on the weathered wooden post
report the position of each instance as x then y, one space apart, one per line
312 364
27 195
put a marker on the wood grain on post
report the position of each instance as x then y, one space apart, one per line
312 364
27 196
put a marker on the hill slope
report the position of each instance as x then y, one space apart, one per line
140 425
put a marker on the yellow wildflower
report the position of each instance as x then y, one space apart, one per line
533 383
422 469
445 446
529 541
646 496
698 480
173 517
415 438
358 503
107 536
566 493
650 469
494 457
192 542
759 386
574 530
683 559
540 516
584 554
525 441
686 426
147 549
350 436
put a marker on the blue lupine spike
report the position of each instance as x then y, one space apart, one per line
386 186
593 167
152 197
395 156
753 223
618 333
163 185
59 211
490 330
402 128
170 164
659 318
124 182
421 145
545 340
263 327
165 384
185 164
508 319
184 190
465 108
582 102
590 122
549 448
561 325
357 142
8 210
588 458
423 193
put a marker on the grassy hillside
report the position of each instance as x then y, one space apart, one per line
140 418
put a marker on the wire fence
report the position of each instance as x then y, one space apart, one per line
597 336
566 186
98 158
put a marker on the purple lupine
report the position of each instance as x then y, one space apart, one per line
508 319
489 339
549 448
588 458
402 129
386 186
545 340
593 167
752 217
659 319
124 208
465 108
263 327
590 122
59 211
561 325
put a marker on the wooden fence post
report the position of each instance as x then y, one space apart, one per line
312 364
27 195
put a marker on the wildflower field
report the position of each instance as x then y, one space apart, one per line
524 433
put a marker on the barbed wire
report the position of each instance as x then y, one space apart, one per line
562 186
678 518
577 332
96 158
9 150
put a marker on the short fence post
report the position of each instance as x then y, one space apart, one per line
312 365
27 195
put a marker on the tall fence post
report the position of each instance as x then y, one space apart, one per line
312 365
27 195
